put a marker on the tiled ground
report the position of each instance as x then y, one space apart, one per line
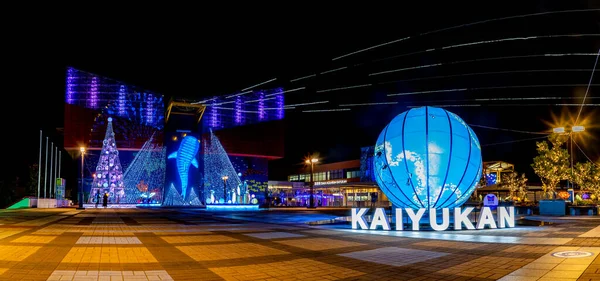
165 244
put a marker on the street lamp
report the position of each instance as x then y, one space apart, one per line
82 150
570 131
224 178
312 183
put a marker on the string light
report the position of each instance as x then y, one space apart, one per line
327 110
304 77
343 88
461 26
144 178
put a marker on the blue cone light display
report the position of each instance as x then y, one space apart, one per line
427 157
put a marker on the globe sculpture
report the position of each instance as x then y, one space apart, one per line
427 157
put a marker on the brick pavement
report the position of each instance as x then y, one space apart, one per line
165 244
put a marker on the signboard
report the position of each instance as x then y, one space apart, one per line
491 201
572 254
60 189
571 195
505 218
341 181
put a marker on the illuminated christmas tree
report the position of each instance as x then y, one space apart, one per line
109 174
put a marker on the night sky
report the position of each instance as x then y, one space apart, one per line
198 56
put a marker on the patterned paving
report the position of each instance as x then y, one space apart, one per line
228 251
108 255
298 269
319 244
274 235
165 244
394 256
16 253
198 239
34 239
551 267
105 275
108 240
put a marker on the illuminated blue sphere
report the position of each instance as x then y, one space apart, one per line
427 157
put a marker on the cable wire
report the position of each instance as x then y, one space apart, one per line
588 87
509 130
588 158
507 142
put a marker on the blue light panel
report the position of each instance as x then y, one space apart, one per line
427 157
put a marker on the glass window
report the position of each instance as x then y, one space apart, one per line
352 174
336 174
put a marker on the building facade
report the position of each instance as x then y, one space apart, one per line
339 184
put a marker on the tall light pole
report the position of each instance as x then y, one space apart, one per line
82 150
312 162
570 131
224 178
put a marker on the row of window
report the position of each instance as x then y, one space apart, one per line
329 175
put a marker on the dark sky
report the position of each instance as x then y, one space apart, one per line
202 54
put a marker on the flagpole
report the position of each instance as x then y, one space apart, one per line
39 169
46 169
51 167
53 194
59 161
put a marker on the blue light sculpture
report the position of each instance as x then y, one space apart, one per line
186 156
427 157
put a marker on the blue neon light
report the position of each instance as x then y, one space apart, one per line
231 207
491 179
70 78
427 157
186 156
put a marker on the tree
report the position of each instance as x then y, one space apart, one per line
109 174
587 176
552 163
481 183
522 191
517 185
32 183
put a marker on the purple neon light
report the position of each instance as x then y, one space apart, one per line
121 100
279 104
214 112
149 109
238 110
70 78
93 100
261 106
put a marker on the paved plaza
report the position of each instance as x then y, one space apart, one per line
185 244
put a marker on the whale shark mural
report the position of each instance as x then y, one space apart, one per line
186 156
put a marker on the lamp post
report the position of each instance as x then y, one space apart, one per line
224 178
82 150
312 162
570 131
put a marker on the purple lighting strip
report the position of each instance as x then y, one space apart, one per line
149 109
121 104
214 111
70 78
238 110
279 104
261 106
93 100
